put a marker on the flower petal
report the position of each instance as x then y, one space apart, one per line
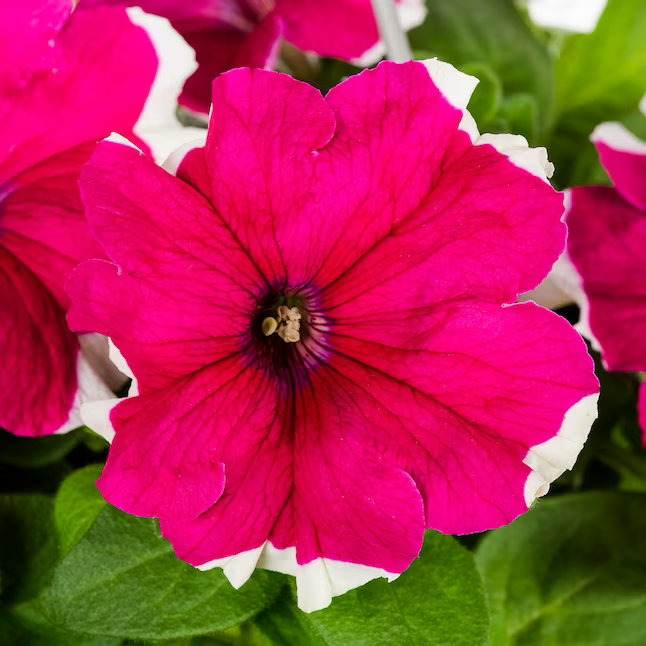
322 492
462 403
221 49
95 51
623 156
606 235
257 166
173 261
43 220
26 30
448 203
38 378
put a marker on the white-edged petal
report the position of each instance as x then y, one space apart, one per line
457 87
89 387
164 142
116 138
176 64
174 159
618 137
551 458
316 582
96 416
96 350
118 359
517 150
158 125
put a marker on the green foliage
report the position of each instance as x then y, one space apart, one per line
28 550
599 77
570 571
77 504
492 34
122 579
438 601
35 451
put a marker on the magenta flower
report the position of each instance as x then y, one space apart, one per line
226 34
315 309
607 238
66 81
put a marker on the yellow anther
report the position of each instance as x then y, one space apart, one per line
269 326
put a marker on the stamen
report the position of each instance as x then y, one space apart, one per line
289 324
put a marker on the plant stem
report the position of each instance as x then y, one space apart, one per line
397 47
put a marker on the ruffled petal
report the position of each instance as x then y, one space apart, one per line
448 204
463 402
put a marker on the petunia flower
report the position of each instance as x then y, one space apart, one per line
317 312
66 81
605 251
226 34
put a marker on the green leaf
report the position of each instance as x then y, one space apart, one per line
28 550
599 77
285 625
25 626
35 451
486 98
570 571
491 33
122 579
602 76
520 113
439 600
77 504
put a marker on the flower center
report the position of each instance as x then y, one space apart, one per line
287 324
288 334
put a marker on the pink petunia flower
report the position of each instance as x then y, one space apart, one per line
316 308
66 81
606 242
226 34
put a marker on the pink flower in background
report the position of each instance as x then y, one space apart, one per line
606 246
65 82
316 309
226 34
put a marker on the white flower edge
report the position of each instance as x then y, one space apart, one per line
90 387
411 13
457 88
174 159
553 457
95 413
316 582
618 137
176 63
517 150
158 125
